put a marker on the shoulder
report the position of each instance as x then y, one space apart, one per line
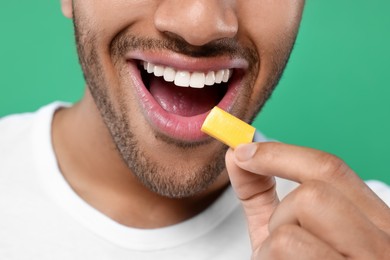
14 125
15 136
19 133
17 124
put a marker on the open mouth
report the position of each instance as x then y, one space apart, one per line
185 93
176 101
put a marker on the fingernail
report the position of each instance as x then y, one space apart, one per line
245 152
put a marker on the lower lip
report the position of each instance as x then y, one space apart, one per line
174 126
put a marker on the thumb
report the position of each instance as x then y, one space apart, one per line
257 194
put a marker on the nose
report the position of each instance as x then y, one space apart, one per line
198 22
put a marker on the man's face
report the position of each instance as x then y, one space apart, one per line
216 52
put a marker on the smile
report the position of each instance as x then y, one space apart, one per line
176 94
184 78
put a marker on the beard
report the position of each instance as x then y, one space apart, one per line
177 180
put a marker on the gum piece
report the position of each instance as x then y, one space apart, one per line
227 128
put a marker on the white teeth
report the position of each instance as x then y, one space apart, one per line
226 76
158 71
150 68
210 78
182 79
169 74
219 76
197 80
186 78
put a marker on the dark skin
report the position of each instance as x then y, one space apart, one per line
331 206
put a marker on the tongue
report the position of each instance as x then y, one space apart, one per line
184 101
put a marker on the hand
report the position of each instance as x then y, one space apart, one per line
331 215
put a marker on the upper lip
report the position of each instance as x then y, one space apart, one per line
183 62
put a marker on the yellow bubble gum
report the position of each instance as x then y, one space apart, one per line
227 128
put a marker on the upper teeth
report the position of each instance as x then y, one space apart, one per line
183 78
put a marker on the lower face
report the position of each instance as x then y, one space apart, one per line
154 90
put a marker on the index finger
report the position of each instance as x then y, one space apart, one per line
290 162
302 164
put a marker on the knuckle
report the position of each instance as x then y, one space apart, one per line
267 153
331 166
283 237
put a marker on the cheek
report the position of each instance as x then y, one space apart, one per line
107 18
99 22
271 26
270 15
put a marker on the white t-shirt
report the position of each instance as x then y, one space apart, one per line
41 217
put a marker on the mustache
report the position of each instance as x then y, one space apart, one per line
124 42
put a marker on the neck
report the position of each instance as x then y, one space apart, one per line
94 169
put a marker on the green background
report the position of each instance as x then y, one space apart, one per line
334 95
